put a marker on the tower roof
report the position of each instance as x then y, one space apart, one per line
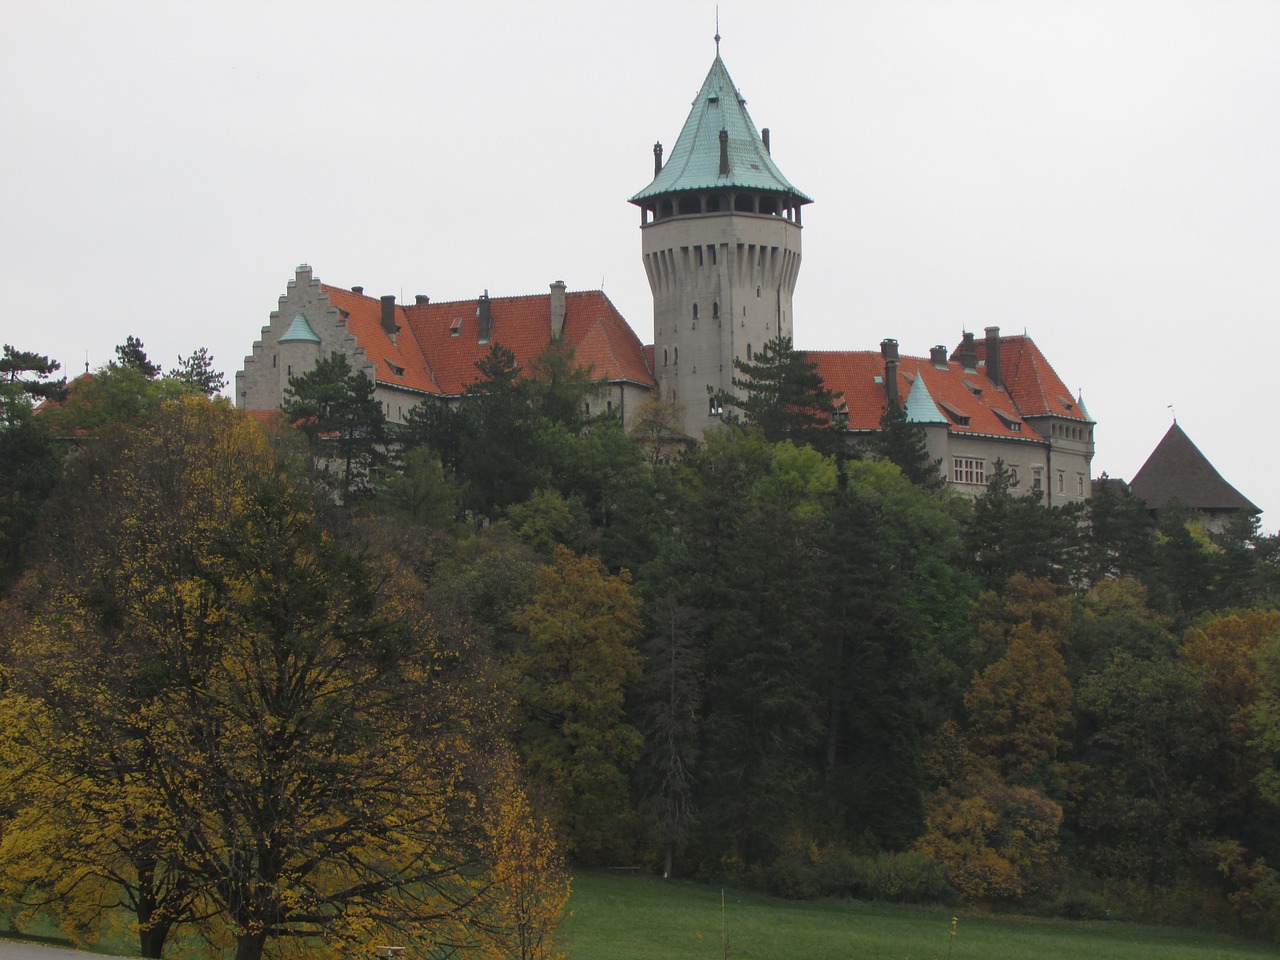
694 163
920 407
1177 470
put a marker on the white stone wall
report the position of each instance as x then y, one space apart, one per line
739 270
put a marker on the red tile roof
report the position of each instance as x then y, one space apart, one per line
859 375
438 345
1030 379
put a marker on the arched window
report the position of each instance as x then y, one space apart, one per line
677 356
715 309
748 351
695 311
664 356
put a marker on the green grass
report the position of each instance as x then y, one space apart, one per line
643 918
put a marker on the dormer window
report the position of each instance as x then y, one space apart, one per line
456 327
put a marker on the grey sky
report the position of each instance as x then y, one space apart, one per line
1101 175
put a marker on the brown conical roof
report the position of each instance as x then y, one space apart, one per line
1177 470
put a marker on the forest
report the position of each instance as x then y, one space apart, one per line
316 678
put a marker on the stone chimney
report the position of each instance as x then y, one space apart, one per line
764 137
657 158
485 315
359 290
993 355
557 310
421 299
889 351
724 153
938 356
389 316
968 354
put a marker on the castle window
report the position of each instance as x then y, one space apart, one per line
769 206
715 309
1037 478
273 361
667 209
677 356
695 311
1080 484
690 205
713 254
748 351
1062 482
757 291
289 370
664 356
698 251
968 470
609 406
744 203
586 409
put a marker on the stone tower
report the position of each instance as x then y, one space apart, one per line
721 239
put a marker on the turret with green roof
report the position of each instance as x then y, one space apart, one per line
721 241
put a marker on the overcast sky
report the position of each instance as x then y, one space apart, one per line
1103 176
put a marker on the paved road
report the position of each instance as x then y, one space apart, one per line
9 950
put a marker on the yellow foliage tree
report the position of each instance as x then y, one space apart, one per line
289 733
572 675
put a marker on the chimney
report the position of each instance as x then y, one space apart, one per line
938 356
764 136
724 153
421 299
889 351
993 355
359 290
967 355
485 315
657 158
389 316
557 310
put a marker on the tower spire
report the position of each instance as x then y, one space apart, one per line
717 38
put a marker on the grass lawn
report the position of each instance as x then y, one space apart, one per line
642 918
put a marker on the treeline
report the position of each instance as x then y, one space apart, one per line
776 660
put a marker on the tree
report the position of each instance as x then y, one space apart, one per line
24 379
313 755
903 443
132 356
335 407
780 391
197 373
572 677
1008 534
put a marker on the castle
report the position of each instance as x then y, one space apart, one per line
721 246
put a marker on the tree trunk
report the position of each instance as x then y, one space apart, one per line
249 946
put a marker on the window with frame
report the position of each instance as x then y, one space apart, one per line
968 470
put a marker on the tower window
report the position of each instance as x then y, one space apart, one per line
664 356
677 355
757 291
715 309
748 351
695 311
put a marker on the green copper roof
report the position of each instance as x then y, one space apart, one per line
300 330
694 163
920 407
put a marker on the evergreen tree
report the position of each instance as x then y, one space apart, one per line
197 373
335 407
24 379
780 391
133 356
903 443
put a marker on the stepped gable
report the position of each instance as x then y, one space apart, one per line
1177 470
968 403
452 340
1029 378
400 364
